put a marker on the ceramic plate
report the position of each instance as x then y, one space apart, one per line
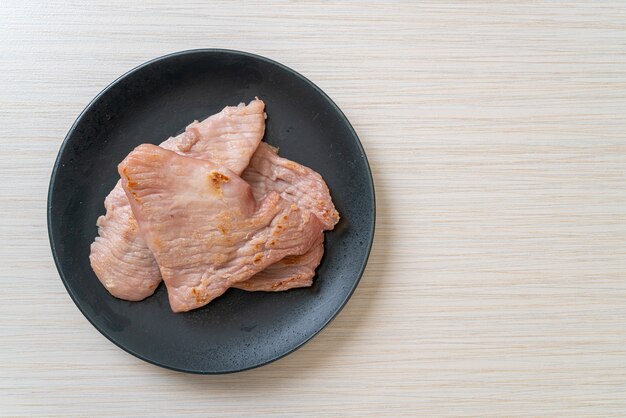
238 330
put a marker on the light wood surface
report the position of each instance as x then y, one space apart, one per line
496 132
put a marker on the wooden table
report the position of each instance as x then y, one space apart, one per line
496 132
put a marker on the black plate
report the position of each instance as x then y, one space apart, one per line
239 330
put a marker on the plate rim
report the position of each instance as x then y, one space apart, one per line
105 90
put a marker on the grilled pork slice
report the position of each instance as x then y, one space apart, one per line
294 182
268 173
119 256
289 273
204 226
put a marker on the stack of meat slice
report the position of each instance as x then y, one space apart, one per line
210 209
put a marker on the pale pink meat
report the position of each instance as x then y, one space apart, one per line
204 226
296 183
289 273
304 187
119 255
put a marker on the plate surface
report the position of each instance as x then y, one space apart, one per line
158 99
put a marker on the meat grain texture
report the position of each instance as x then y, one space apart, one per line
181 212
301 186
204 226
119 256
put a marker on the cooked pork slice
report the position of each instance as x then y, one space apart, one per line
290 272
296 183
204 226
119 255
304 187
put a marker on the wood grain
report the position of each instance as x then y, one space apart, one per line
497 136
